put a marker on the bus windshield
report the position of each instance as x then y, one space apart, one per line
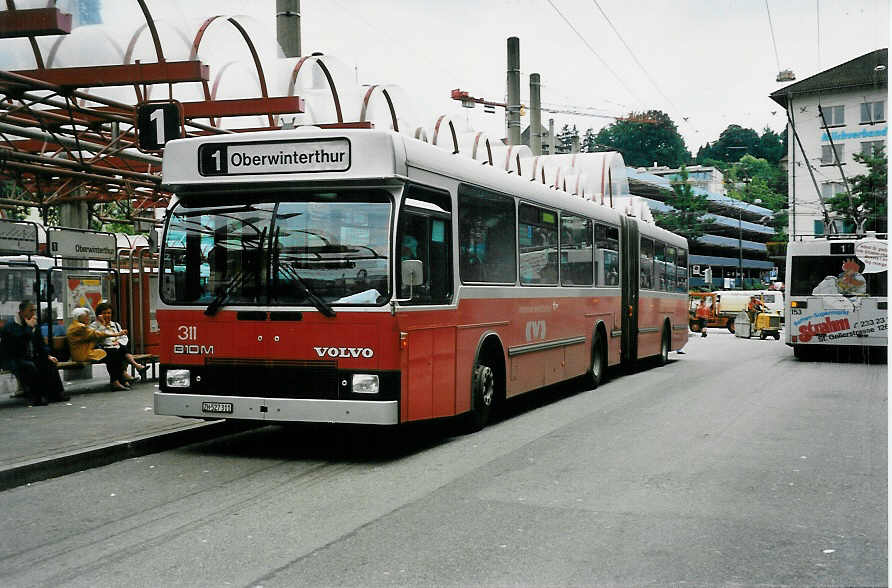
816 275
316 248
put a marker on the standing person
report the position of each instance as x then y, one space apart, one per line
26 354
118 340
82 342
702 314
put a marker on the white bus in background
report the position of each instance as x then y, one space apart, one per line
731 302
837 294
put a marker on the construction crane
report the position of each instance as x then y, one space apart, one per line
469 101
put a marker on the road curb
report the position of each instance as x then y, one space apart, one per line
96 456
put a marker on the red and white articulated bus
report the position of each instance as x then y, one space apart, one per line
362 276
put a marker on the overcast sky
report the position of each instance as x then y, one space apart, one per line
712 62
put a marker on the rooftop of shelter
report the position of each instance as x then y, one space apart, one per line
649 185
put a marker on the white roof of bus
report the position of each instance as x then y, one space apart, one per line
384 155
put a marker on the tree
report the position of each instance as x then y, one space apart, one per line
772 146
689 217
113 217
643 143
736 141
566 138
11 191
867 207
752 179
589 141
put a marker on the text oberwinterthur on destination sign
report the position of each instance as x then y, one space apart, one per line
288 157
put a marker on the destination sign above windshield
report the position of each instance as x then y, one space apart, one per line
280 157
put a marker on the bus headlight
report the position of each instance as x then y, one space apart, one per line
365 384
177 378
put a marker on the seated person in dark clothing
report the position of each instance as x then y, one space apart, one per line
26 354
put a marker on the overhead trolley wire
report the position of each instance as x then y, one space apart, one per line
629 49
773 41
595 53
641 65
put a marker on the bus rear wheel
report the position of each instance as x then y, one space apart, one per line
483 395
599 362
663 358
731 325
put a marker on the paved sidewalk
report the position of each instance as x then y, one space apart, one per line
95 427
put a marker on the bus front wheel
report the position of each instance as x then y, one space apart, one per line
731 325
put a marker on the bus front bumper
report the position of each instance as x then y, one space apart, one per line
357 412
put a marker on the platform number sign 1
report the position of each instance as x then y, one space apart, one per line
157 123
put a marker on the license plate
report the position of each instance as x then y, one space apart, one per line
219 407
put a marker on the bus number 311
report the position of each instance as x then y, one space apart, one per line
187 332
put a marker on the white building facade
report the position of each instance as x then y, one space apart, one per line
836 114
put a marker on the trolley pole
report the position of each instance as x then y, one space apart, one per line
288 26
513 108
535 115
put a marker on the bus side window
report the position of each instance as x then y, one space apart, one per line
660 266
607 255
486 228
538 238
671 280
440 260
576 250
647 264
682 273
426 236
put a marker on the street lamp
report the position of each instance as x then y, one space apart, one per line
740 240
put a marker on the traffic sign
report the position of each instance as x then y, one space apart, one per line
157 123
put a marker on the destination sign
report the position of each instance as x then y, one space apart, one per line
278 157
72 244
18 238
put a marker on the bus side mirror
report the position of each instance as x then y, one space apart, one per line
412 271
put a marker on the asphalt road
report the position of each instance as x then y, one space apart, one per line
734 464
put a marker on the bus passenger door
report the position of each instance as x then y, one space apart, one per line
629 270
424 233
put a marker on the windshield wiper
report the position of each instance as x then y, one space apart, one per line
323 306
224 295
238 279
